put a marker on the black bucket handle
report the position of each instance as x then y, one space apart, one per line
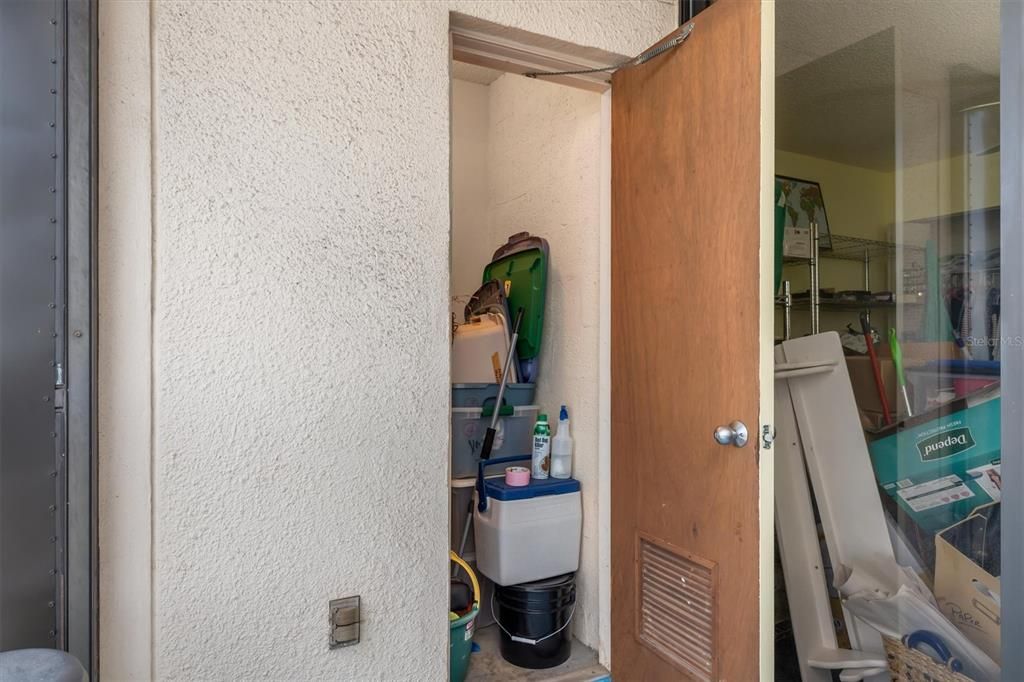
524 640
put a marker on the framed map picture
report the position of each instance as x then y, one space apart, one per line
804 205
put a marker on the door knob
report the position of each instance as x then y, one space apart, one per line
735 433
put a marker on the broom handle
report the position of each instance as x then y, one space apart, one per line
485 453
879 384
508 364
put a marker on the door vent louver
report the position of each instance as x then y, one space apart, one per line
676 607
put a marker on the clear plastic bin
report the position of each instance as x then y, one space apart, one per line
514 436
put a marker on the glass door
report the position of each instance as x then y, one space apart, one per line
889 400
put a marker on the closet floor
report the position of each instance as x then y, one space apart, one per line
487 665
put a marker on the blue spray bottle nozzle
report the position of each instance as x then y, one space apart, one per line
563 415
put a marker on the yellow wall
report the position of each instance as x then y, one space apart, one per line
859 202
937 189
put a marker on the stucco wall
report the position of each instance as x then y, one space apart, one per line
470 241
299 262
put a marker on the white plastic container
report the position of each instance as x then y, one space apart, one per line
479 350
529 533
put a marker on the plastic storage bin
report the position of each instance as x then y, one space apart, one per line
528 533
481 395
469 426
479 349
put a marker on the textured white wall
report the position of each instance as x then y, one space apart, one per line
544 177
471 238
299 257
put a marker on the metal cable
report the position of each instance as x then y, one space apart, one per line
641 58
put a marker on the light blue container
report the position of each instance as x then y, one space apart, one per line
481 395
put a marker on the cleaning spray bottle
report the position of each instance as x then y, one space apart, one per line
561 448
541 448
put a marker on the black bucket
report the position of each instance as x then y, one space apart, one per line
535 621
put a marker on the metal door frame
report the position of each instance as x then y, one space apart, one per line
81 69
1011 84
49 323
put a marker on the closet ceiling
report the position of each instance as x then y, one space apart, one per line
474 74
843 67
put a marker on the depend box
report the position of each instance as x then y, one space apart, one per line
941 466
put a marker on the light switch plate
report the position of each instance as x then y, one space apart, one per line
344 622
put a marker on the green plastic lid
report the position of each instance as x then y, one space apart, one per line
521 266
542 418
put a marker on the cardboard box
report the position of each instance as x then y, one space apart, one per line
862 378
796 242
935 465
874 421
917 353
966 577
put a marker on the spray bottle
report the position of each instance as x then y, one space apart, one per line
541 448
561 448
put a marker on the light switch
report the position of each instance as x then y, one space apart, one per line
344 622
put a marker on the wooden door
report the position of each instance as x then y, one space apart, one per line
686 226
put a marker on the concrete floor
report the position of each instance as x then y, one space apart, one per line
487 665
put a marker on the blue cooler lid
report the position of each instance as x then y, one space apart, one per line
499 490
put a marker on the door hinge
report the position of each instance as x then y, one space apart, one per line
58 388
767 436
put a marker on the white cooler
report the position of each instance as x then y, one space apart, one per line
528 533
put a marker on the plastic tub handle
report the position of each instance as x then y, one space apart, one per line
481 489
487 409
935 643
472 576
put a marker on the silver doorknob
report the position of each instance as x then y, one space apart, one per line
735 433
